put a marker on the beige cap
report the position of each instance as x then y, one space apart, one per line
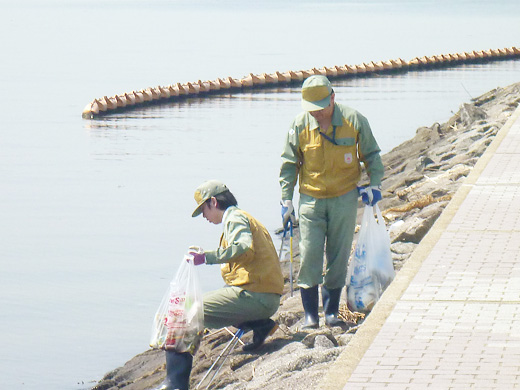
316 93
205 191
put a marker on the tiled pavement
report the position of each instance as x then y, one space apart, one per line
451 318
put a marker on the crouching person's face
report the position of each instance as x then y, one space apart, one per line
211 212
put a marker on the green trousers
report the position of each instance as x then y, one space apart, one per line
326 226
234 305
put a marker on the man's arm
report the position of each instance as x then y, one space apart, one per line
290 164
369 152
239 240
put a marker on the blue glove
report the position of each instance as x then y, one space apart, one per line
370 195
287 213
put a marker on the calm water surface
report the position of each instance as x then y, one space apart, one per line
96 213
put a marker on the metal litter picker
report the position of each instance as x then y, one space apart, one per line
221 359
290 226
291 255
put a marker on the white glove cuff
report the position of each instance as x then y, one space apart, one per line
288 203
196 249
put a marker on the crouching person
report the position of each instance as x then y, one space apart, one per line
250 269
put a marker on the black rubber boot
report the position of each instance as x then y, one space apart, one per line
178 370
310 301
330 300
261 329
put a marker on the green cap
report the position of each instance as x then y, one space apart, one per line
205 191
316 93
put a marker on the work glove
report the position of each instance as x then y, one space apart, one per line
287 213
370 195
199 257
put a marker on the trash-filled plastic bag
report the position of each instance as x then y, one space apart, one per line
371 269
179 322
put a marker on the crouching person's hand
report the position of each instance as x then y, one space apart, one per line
198 255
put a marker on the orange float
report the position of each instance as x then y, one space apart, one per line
105 105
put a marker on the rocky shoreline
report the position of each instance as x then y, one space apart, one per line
421 175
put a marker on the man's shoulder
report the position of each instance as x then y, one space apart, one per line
301 119
235 214
351 115
347 111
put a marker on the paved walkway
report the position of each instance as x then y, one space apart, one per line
451 318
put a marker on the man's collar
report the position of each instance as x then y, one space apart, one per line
226 213
337 119
313 123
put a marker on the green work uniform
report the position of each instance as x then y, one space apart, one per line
327 164
250 269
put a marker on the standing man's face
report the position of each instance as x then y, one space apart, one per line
326 113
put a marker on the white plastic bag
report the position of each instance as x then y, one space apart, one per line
371 269
179 321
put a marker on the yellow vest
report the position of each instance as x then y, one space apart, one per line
329 170
258 269
329 165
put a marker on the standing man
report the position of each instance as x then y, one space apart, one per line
324 149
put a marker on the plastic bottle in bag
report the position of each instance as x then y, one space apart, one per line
362 292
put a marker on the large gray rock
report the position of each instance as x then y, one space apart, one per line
415 228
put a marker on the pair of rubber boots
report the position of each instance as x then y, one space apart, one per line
310 301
